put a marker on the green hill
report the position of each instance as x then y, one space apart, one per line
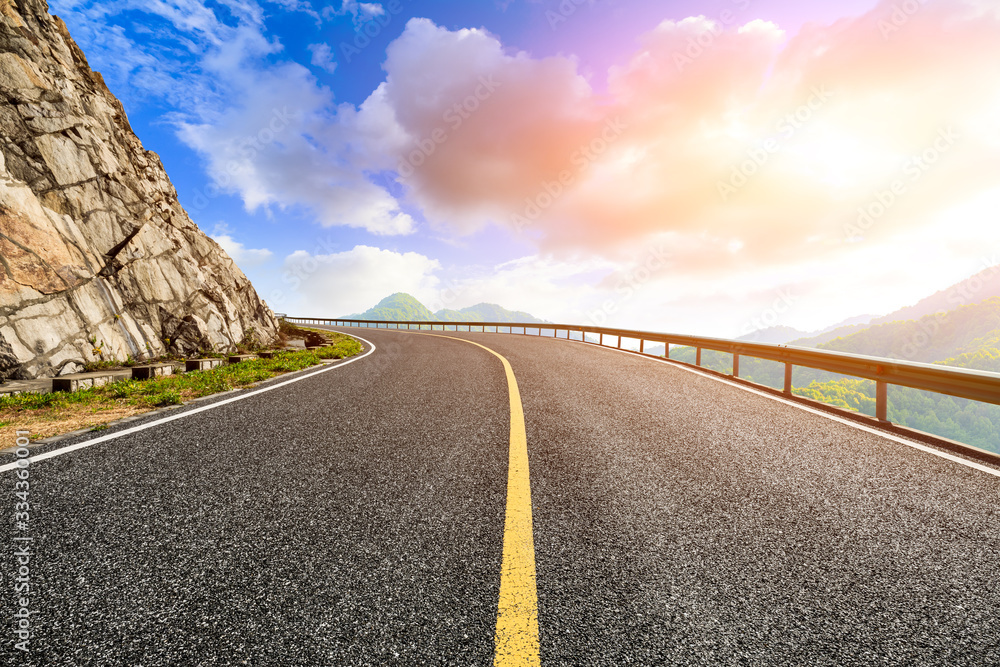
784 335
974 289
827 336
931 338
486 312
404 307
398 306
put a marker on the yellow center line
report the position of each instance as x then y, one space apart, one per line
516 638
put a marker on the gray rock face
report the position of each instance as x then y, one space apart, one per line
97 258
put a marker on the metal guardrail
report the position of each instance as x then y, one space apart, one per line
959 382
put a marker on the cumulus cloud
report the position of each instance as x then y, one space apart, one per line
483 128
268 147
547 287
269 131
749 145
243 256
355 280
322 57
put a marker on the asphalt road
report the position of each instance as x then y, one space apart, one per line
357 517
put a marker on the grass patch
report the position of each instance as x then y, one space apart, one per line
103 365
50 414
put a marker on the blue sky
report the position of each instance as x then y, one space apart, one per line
719 157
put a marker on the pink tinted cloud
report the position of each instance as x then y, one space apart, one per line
485 126
749 146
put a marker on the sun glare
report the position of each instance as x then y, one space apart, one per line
840 160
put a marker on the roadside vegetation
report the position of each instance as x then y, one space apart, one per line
49 414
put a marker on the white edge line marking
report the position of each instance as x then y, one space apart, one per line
888 436
135 429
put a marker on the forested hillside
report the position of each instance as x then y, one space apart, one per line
485 312
967 337
404 307
974 289
400 307
931 338
827 336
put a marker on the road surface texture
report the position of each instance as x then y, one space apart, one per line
357 518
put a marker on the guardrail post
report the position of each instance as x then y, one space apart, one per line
642 346
788 379
619 342
666 350
736 365
697 357
882 401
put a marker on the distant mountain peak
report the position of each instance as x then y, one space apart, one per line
974 289
406 307
776 335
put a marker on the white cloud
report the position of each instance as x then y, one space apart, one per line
322 57
361 12
269 132
558 290
355 280
243 256
281 141
483 128
299 6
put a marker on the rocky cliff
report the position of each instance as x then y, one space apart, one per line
98 258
